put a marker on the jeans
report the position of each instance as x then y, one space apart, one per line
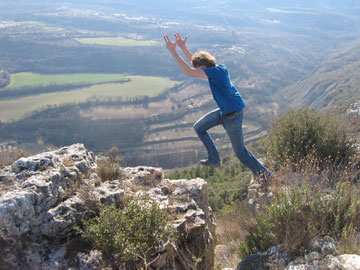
233 127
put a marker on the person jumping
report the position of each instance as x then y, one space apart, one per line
230 103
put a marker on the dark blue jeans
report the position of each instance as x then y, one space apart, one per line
233 127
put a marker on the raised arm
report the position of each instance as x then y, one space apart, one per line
189 71
182 45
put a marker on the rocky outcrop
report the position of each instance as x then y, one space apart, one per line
323 254
258 195
42 199
354 109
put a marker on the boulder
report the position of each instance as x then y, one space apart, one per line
44 197
349 262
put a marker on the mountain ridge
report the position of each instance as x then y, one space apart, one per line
333 84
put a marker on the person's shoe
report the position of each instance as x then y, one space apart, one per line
205 162
265 179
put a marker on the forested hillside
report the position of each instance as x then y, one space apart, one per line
334 85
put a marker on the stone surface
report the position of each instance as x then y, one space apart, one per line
43 198
321 256
258 196
349 262
354 108
253 262
325 245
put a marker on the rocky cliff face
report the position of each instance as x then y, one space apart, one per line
42 199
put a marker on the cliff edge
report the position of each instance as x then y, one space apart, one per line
44 197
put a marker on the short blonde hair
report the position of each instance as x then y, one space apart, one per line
203 58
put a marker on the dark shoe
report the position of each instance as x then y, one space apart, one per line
266 179
205 162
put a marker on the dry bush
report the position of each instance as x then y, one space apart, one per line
350 245
308 202
109 171
68 162
109 166
9 157
87 195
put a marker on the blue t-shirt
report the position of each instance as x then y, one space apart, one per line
224 92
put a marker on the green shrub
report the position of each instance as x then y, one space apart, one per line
298 134
226 185
300 214
138 230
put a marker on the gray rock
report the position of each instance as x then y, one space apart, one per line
256 261
330 262
45 196
296 266
325 245
258 196
311 257
91 261
349 262
354 108
276 255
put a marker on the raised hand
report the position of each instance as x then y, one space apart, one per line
180 42
169 44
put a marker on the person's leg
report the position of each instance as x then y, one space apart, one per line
233 126
201 128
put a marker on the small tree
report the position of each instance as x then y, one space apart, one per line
303 133
135 232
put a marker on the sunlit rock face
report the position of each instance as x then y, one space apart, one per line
43 198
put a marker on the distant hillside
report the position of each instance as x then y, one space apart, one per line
335 83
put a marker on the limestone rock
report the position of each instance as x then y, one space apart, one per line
258 196
322 255
349 262
43 198
354 108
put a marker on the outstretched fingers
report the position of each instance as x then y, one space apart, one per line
179 41
166 38
169 43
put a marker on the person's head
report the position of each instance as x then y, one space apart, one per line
203 59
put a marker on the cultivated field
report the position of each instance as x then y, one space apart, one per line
14 109
28 79
119 41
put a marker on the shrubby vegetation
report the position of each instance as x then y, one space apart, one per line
316 186
303 133
129 234
10 156
302 213
227 185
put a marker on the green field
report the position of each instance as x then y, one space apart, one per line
119 41
14 109
34 79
